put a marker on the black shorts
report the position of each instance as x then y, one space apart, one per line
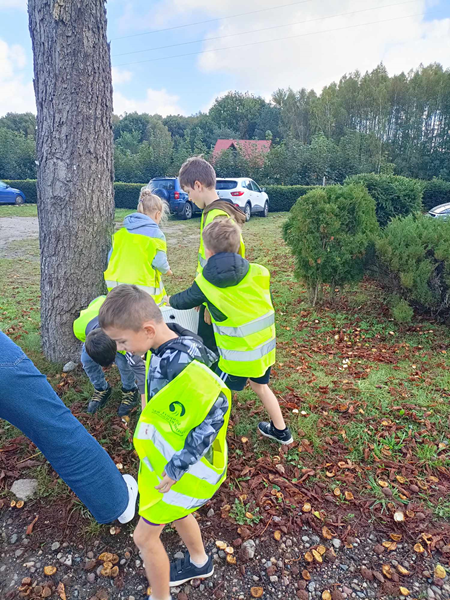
237 384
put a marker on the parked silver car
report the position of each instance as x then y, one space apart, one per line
442 211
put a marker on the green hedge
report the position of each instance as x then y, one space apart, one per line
126 195
394 196
283 197
435 192
27 186
413 259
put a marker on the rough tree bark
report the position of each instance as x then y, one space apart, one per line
72 71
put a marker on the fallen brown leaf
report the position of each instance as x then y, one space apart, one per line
49 570
256 592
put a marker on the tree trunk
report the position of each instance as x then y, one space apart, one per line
73 89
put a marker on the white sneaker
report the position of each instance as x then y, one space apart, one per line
130 510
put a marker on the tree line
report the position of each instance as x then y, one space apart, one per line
364 123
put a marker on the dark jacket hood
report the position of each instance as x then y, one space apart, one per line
225 269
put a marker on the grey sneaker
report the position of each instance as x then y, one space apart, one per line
282 436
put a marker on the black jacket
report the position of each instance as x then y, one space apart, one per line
222 270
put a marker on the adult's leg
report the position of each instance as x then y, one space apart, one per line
29 403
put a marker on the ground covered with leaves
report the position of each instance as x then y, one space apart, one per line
359 504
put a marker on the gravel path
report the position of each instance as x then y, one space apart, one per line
14 229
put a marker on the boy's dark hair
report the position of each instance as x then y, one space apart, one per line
222 235
197 169
128 307
100 347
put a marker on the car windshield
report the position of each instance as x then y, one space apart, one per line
163 184
3 186
222 184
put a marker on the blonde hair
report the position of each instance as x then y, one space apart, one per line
197 169
149 204
128 307
222 235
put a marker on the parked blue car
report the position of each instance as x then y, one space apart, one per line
9 195
169 189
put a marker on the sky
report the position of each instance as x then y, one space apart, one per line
177 56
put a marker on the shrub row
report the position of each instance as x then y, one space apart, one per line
126 195
394 196
283 197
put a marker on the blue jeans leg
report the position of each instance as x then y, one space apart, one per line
126 372
29 403
93 370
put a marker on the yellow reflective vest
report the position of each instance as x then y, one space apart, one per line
131 262
91 312
246 340
206 220
162 430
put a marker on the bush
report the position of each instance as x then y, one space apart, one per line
394 196
413 256
27 186
126 195
402 311
329 230
283 197
435 192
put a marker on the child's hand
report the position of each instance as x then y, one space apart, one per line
166 300
165 484
207 317
169 272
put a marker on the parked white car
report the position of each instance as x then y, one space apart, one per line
245 194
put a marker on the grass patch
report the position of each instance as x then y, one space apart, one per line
356 389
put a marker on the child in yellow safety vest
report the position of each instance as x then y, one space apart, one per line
198 179
180 437
139 252
238 297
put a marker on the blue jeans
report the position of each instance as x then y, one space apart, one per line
96 376
29 403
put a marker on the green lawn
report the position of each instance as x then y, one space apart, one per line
367 400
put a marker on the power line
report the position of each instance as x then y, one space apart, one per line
266 41
263 29
251 12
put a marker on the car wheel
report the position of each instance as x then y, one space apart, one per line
187 212
248 211
19 200
265 211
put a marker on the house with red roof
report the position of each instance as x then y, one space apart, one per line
248 148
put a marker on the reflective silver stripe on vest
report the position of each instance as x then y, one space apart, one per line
248 355
202 260
254 326
175 498
199 470
150 290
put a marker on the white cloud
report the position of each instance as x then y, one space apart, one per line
155 102
320 55
21 4
17 94
120 76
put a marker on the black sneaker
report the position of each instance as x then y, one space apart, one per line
98 400
279 435
182 570
130 398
